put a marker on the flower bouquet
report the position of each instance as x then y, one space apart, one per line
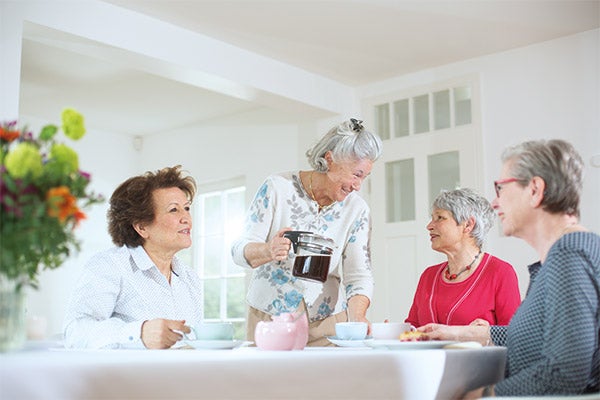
42 194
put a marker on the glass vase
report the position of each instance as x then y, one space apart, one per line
13 330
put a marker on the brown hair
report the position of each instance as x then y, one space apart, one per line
132 202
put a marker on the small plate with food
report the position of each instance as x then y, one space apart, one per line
416 345
410 340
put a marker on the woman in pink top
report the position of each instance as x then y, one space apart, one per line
471 285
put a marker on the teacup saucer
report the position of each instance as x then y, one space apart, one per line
216 344
350 343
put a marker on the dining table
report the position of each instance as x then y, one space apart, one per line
49 371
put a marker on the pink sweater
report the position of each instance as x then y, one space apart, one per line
490 293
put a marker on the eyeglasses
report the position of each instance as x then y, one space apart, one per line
498 184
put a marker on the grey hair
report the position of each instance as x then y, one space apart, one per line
558 164
348 141
466 203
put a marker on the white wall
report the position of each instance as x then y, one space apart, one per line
226 149
548 90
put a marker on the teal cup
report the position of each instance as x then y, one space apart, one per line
213 331
351 330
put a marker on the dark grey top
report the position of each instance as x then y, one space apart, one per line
552 339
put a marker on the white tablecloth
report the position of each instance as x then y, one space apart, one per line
248 373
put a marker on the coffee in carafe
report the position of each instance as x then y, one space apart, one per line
314 267
313 256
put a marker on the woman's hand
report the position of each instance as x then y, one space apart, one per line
476 332
276 249
480 322
161 333
279 246
357 310
441 332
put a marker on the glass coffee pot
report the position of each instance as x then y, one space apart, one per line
313 255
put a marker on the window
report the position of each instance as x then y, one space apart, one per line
400 204
382 117
423 113
401 118
443 172
441 109
218 219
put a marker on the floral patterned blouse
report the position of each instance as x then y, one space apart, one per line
282 201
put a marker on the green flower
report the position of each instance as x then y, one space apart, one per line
23 160
73 124
65 157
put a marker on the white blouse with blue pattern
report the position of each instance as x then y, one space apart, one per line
281 202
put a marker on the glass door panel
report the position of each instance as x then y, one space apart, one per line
462 105
401 118
444 172
421 113
400 190
382 120
441 109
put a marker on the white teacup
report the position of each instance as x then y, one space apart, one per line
390 330
213 331
351 330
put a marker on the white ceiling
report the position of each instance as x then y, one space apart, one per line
361 41
354 42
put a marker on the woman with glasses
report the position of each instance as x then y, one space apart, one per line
552 340
471 284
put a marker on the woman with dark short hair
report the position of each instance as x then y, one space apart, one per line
139 294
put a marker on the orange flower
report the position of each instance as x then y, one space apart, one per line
8 135
62 204
79 215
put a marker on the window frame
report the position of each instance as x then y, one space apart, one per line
222 189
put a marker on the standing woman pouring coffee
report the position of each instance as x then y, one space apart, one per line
322 201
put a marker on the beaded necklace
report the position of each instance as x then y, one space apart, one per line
452 277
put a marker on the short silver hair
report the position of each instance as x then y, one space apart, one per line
466 203
348 141
558 164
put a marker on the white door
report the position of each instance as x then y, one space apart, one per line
413 169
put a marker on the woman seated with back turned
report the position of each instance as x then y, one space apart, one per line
139 294
552 340
471 285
